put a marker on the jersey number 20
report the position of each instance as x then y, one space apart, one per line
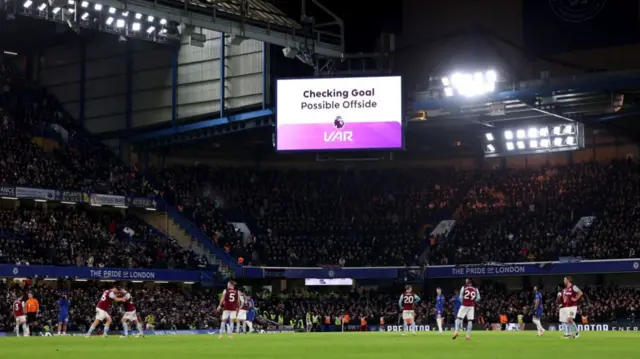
408 299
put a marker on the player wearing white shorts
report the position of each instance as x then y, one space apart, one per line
407 302
130 315
571 295
242 314
21 317
231 303
469 296
102 310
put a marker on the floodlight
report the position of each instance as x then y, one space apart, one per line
84 4
446 82
568 129
112 10
509 146
533 132
42 6
110 20
544 143
533 143
508 135
27 4
138 16
84 16
150 18
448 91
521 134
491 148
520 145
71 2
151 29
97 7
136 26
163 21
120 23
125 13
491 76
489 136
163 32
544 132
570 140
557 130
55 10
557 141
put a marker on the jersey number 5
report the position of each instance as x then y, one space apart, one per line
232 297
469 294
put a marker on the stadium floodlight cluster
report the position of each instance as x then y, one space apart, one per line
470 84
534 139
97 16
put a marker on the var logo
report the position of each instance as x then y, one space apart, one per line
338 136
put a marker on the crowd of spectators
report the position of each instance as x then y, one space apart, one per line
74 236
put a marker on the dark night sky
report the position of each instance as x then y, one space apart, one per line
363 22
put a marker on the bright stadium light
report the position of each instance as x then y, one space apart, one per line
568 129
151 29
489 136
84 4
570 140
138 16
55 10
470 84
557 130
85 16
520 145
150 18
533 132
125 13
521 134
163 22
544 143
112 10
120 23
136 26
110 20
544 132
510 146
491 148
97 7
27 4
533 144
42 6
557 141
508 135
71 2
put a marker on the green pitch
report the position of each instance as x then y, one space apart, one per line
485 345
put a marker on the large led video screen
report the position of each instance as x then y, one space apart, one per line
339 113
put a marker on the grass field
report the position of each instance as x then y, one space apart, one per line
485 345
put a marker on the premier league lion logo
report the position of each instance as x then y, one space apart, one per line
338 122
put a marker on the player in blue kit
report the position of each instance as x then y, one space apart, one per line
63 314
440 300
455 300
251 316
537 308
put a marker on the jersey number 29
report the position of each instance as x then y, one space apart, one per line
469 294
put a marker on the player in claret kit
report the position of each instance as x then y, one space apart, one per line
571 295
102 310
440 300
537 307
230 303
21 317
469 295
130 315
242 314
407 303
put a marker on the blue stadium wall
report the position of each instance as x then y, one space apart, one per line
117 87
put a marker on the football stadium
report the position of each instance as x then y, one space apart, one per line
277 179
